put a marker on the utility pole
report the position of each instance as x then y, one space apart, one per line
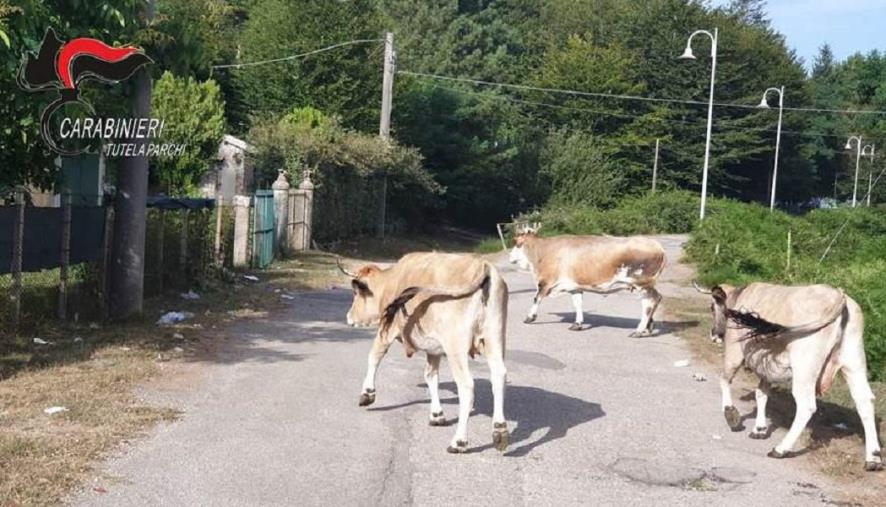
384 126
126 291
655 166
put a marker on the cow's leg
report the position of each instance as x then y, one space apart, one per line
378 351
579 312
432 378
732 360
497 375
541 291
855 371
864 404
465 383
803 390
761 425
649 302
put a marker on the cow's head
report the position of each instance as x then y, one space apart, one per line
719 296
518 254
366 286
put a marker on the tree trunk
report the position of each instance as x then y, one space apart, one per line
126 291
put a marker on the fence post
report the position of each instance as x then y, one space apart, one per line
106 256
65 255
241 230
307 186
18 237
281 208
161 235
183 246
219 210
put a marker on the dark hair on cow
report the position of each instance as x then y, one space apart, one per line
757 326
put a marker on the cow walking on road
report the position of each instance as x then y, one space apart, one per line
599 264
801 335
443 304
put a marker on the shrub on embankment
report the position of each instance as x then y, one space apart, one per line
739 243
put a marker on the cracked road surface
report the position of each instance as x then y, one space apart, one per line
596 418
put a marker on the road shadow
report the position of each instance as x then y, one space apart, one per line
661 326
532 409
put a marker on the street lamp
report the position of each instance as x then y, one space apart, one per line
765 105
860 151
687 54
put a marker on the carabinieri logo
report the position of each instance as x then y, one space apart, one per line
63 66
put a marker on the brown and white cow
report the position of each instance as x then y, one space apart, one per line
801 335
599 264
444 304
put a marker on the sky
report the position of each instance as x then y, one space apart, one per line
849 26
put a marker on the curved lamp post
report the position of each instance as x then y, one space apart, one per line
764 104
687 54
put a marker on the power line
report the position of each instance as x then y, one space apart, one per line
293 57
619 96
720 124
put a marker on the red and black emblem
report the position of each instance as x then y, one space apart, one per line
63 66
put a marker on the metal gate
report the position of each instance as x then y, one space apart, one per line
263 229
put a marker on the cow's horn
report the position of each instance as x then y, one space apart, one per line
342 268
699 289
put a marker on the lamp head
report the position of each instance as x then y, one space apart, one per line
687 54
763 103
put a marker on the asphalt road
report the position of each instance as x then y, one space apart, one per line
596 418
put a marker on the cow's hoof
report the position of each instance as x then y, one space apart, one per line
733 418
775 453
576 327
367 398
459 448
529 320
873 466
437 419
759 433
640 334
500 436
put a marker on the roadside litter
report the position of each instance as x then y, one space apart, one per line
287 297
681 363
173 318
178 336
251 278
190 295
41 341
54 410
699 377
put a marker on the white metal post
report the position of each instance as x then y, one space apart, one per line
857 140
707 148
384 127
655 166
777 145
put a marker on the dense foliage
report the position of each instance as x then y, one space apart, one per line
193 113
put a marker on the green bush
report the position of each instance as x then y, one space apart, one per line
741 243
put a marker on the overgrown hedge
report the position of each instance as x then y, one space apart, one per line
739 243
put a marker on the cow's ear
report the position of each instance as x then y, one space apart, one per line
361 287
719 295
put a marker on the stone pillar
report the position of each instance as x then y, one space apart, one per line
281 210
241 230
307 186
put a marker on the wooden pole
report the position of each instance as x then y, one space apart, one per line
219 209
161 235
65 255
788 264
17 247
183 247
384 127
655 166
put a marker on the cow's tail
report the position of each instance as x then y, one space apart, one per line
430 294
760 328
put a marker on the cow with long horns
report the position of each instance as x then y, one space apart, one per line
801 335
597 264
443 304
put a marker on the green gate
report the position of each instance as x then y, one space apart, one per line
263 229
